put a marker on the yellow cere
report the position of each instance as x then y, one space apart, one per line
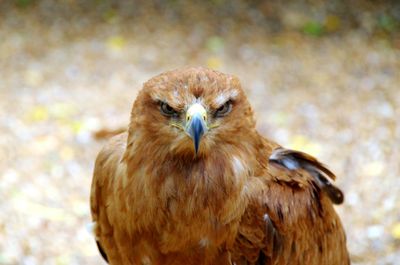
196 109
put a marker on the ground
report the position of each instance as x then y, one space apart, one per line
322 81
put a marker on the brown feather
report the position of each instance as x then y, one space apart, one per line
107 133
155 202
295 160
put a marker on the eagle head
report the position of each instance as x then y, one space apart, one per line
192 111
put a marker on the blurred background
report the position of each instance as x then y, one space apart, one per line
323 77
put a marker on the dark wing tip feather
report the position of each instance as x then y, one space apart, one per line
273 237
101 250
294 160
335 194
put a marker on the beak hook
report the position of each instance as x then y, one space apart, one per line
196 126
197 130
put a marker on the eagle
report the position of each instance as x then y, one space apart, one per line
192 182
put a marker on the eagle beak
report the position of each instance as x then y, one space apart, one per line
196 124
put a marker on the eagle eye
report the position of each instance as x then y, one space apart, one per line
224 109
167 110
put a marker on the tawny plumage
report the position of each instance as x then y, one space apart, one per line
192 182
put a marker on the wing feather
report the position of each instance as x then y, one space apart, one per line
290 218
105 167
295 160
